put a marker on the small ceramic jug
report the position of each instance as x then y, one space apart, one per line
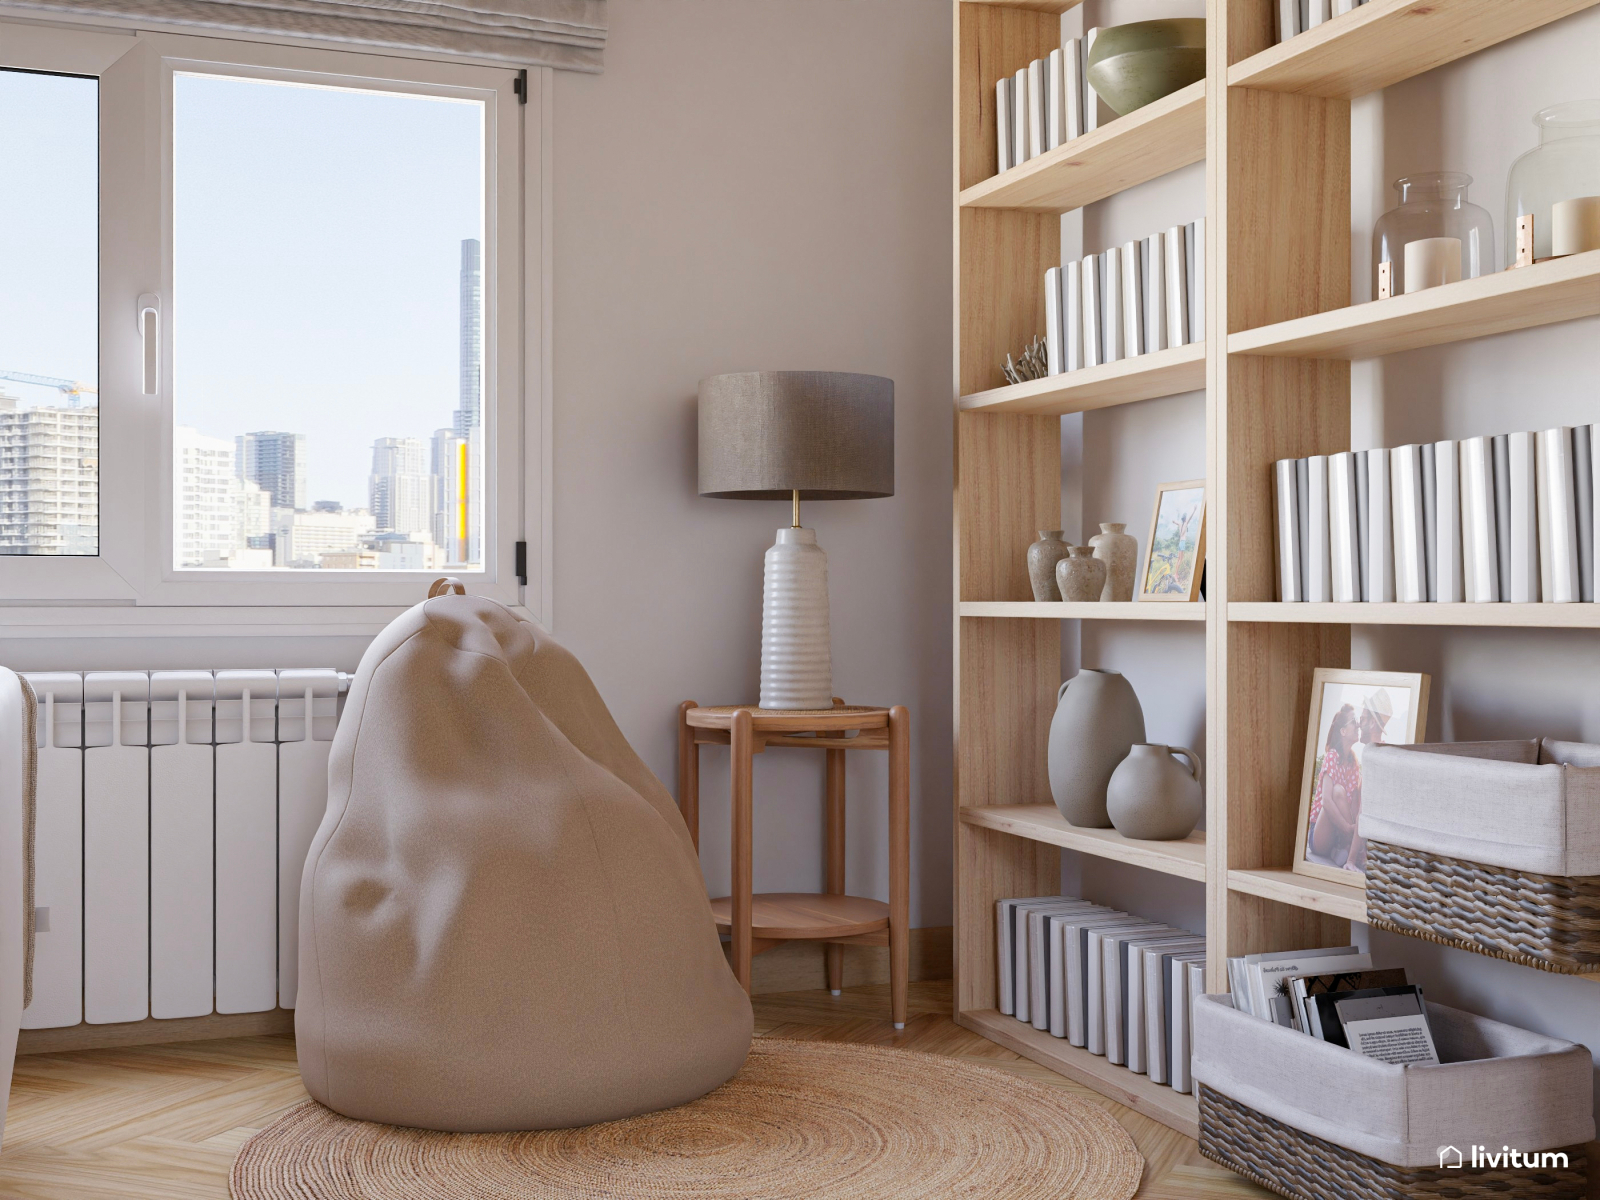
1080 576
1043 556
1120 552
1097 719
1152 797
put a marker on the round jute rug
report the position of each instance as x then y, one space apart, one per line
801 1121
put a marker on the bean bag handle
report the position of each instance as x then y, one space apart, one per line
448 585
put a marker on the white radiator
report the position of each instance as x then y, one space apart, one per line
175 812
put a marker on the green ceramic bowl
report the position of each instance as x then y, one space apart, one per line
1131 65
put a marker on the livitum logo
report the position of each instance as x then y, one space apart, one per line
1482 1158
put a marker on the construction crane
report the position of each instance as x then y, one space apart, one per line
71 389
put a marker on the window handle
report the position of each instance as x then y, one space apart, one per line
150 331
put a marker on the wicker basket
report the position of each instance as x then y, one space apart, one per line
1316 1121
1551 922
1284 1160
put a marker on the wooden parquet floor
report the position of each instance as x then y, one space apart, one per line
164 1122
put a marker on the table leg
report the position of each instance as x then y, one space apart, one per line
899 861
741 745
835 859
689 773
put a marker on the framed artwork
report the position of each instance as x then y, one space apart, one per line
1175 551
1350 710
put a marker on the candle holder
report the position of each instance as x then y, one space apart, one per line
1432 205
1564 166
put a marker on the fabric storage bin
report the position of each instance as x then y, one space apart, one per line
1487 846
1314 1121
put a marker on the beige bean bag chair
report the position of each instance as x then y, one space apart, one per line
502 919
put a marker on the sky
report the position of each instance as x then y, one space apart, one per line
317 240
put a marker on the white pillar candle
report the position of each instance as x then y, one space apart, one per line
1431 262
1575 225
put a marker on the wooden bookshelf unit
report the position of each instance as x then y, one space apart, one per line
1272 123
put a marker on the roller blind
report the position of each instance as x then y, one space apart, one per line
567 34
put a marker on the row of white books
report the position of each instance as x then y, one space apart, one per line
1111 983
1133 299
1046 103
1334 994
1485 520
1297 16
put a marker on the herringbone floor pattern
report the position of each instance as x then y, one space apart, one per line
164 1122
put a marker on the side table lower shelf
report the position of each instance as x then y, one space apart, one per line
1176 1110
778 917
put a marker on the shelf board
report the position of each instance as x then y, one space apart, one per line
1110 610
1385 41
1499 616
1151 141
1561 289
1042 823
1041 6
1176 1110
1164 373
1302 891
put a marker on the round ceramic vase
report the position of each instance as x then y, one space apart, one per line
1080 576
1043 556
1120 552
1154 797
1097 721
1132 65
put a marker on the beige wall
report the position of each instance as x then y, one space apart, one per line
757 184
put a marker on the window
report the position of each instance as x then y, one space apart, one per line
261 317
49 345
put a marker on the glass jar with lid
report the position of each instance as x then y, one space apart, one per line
1434 205
1563 166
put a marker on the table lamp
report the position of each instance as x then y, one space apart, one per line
796 435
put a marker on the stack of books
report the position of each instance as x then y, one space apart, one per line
1111 983
1297 16
1506 519
1133 299
1046 103
1335 994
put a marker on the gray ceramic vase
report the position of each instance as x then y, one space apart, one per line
1080 576
1043 556
1135 64
1153 797
1097 721
1120 552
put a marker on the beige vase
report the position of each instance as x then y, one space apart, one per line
1080 576
1152 796
1043 556
1097 719
1120 552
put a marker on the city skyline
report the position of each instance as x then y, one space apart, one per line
243 502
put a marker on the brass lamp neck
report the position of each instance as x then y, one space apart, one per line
796 524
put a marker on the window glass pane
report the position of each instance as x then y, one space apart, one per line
49 314
328 327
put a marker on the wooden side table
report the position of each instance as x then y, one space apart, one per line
760 922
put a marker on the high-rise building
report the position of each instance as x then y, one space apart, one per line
207 528
276 463
458 499
450 510
49 479
399 490
469 413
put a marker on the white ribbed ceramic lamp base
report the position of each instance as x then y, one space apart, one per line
796 661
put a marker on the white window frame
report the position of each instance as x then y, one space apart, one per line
134 570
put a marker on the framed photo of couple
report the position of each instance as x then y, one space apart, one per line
1350 710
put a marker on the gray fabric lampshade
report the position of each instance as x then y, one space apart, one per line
766 434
